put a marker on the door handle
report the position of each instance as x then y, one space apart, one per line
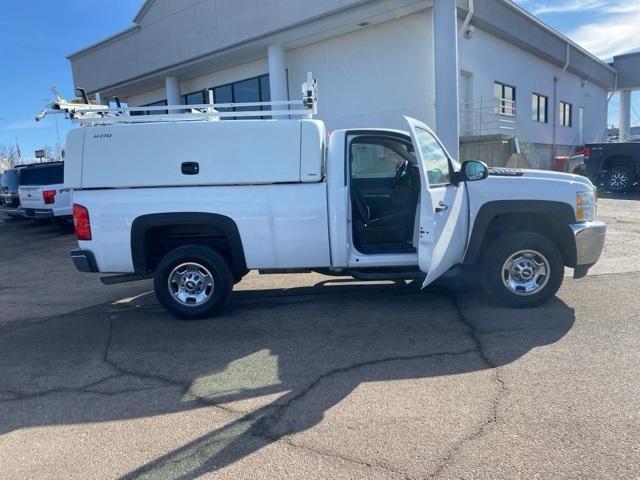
190 168
441 207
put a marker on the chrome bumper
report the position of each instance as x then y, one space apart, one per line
589 239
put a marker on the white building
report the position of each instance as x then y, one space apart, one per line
466 67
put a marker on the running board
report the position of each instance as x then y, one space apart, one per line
359 275
127 277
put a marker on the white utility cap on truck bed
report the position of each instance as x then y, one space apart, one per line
183 145
195 153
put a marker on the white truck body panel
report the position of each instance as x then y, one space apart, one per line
247 152
281 226
532 185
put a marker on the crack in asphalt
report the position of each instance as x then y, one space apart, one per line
484 427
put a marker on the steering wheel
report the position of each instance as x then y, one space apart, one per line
401 172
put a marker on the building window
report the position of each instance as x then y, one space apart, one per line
566 114
152 112
505 96
195 98
254 89
539 108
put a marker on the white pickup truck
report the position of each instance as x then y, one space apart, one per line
197 204
42 192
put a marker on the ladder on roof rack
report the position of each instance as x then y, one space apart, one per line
85 113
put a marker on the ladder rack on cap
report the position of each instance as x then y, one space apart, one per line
87 114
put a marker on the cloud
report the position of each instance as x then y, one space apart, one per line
605 7
616 35
610 29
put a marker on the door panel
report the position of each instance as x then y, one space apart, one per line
443 206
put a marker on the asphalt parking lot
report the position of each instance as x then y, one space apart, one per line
308 376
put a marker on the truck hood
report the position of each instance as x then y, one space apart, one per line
527 185
577 180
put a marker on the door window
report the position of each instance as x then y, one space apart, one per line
372 160
436 162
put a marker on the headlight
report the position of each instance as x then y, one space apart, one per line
586 206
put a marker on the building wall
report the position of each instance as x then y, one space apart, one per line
490 59
372 77
366 78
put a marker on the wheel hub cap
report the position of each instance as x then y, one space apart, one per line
191 284
525 272
619 180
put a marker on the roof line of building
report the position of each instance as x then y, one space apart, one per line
116 36
143 9
511 4
628 54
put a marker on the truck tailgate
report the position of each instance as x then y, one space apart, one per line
31 196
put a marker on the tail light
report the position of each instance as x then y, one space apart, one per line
81 222
586 151
49 196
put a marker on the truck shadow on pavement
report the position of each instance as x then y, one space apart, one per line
275 363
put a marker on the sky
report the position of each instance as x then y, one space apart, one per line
37 35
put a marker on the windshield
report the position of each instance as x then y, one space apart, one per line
10 179
42 175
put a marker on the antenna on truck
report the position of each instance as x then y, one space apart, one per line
82 111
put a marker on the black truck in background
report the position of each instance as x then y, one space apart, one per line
616 166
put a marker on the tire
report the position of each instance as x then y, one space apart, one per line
619 179
206 280
521 286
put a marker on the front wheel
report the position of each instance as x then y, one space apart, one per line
523 269
193 282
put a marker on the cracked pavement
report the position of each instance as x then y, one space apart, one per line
307 376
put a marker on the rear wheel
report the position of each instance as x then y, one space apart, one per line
619 179
193 282
523 269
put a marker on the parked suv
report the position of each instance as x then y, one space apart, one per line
9 197
43 194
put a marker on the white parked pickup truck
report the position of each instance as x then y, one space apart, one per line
42 192
197 204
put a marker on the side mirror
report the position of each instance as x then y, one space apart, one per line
473 170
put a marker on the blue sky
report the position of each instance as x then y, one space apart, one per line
37 35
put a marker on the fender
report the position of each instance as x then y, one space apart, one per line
144 222
562 212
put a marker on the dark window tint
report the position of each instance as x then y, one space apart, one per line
254 89
152 112
246 91
223 94
505 96
11 179
566 113
539 108
44 175
195 98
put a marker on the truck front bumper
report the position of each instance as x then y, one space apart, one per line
589 240
84 260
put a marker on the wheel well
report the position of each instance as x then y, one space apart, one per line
548 225
161 240
153 236
619 161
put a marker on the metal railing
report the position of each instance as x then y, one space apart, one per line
86 113
498 116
